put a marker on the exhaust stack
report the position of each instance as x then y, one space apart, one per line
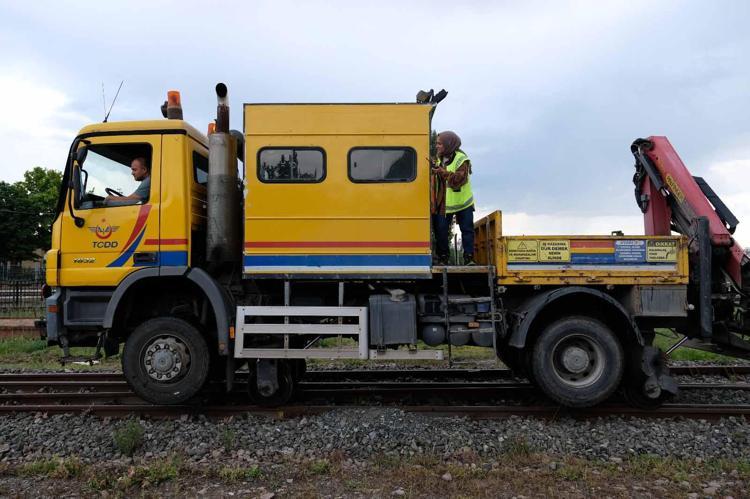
223 239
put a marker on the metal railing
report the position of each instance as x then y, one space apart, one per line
21 291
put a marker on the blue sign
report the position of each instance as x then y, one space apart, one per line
630 251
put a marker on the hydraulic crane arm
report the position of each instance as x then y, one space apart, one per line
671 199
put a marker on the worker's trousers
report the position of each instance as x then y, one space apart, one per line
442 224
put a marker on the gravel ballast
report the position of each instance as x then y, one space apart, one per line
365 433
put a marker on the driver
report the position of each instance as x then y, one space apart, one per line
141 171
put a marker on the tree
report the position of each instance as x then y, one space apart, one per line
26 214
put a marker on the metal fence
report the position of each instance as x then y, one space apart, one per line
21 290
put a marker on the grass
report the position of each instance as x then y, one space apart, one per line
471 475
53 468
517 447
237 474
22 345
228 439
129 437
665 339
319 467
29 353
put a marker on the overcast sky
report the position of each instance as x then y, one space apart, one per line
546 96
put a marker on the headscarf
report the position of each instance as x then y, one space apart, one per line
451 143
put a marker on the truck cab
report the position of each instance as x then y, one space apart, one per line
97 241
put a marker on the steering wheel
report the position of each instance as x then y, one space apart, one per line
113 192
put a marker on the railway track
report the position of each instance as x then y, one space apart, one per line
107 394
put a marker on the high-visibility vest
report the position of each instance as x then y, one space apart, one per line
457 200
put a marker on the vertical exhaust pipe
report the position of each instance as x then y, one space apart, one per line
223 241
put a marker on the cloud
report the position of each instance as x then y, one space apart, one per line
38 123
521 223
730 180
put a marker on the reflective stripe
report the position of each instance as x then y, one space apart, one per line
459 207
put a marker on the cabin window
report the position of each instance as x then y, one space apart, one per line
298 165
200 168
382 164
105 175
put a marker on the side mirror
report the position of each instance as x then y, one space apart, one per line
80 154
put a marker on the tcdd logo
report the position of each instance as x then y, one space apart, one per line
104 244
104 231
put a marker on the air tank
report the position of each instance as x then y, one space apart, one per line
460 336
433 334
482 339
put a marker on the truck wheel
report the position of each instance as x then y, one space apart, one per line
577 361
166 360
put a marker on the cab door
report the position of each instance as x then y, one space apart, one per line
110 238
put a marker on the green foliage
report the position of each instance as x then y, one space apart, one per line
21 345
146 475
228 437
665 339
518 446
236 474
26 213
129 437
53 468
320 467
29 353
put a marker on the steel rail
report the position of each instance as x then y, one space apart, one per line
370 374
395 392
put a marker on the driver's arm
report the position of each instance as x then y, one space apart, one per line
140 194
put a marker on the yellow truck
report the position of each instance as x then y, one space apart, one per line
324 232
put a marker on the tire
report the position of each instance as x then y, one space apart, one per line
166 361
577 361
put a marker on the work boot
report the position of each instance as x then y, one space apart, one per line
469 260
442 261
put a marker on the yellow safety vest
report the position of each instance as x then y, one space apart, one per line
457 200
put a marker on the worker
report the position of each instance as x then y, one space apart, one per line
452 196
141 172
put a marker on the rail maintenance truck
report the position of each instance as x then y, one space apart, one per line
319 248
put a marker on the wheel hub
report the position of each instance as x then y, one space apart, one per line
165 359
575 359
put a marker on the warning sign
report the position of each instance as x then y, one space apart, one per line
523 250
554 251
661 251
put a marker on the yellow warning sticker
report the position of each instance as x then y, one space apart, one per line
675 188
661 251
554 251
523 250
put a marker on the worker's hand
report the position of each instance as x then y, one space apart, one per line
440 171
433 162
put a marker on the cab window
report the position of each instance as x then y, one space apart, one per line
200 168
106 175
382 164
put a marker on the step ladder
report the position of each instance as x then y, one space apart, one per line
495 319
